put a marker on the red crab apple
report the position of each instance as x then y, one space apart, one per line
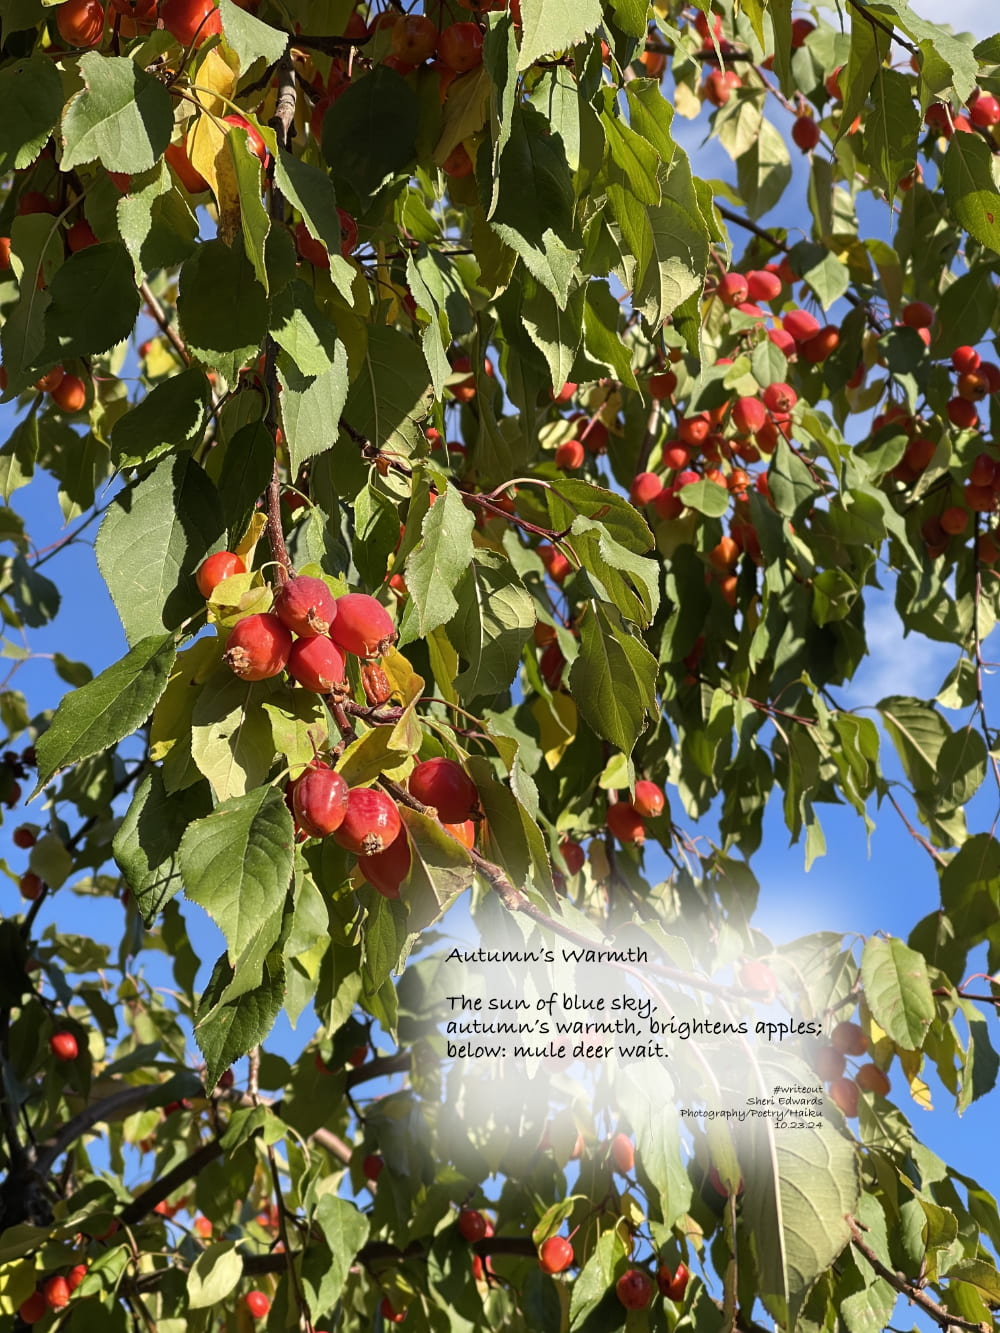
211 572
370 823
258 1303
362 626
446 786
319 801
555 1255
649 799
306 606
672 1285
63 1046
258 647
634 1289
471 1225
81 22
623 1153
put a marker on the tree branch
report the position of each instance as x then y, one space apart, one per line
164 325
945 1318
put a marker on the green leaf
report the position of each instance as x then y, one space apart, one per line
146 843
226 1030
170 415
152 540
602 320
222 307
631 581
255 224
495 617
94 303
247 466
327 1265
36 247
869 48
51 860
970 186
981 1064
298 722
303 332
436 564
18 455
553 25
764 171
36 597
679 241
231 738
109 708
392 394
248 37
965 312
311 408
31 95
962 764
705 497
977 1273
555 332
237 865
897 990
533 207
918 732
613 680
369 135
891 128
633 161
124 117
572 496
215 1273
440 869
792 486
805 1183
596 1280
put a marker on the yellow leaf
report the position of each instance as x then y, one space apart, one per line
403 679
597 855
557 724
207 139
248 542
687 103
921 1094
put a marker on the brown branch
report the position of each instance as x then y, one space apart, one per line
515 901
123 1101
380 1067
890 32
375 1251
161 1189
275 532
164 325
919 837
945 1318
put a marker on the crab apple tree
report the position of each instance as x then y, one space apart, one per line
438 504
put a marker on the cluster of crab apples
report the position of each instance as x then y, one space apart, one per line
830 1063
309 634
